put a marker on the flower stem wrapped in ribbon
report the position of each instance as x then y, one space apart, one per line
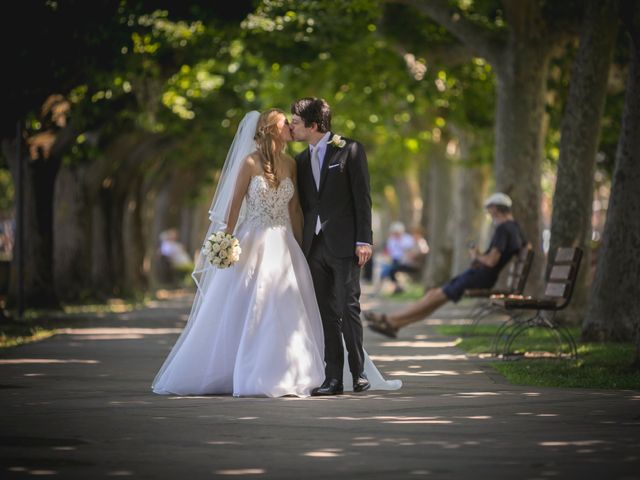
222 249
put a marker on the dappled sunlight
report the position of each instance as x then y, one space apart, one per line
35 472
421 344
113 333
123 336
426 373
576 443
409 358
367 443
198 397
447 321
132 402
471 394
241 471
325 453
22 361
390 419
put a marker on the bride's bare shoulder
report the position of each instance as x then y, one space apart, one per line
253 162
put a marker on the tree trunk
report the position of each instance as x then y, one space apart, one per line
72 234
439 203
39 183
521 90
101 278
135 279
408 192
573 197
469 191
614 311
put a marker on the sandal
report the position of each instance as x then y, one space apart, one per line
379 324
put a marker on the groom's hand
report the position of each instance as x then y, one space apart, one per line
363 252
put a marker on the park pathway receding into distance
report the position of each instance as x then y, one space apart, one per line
79 406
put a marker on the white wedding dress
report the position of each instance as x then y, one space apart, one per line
257 330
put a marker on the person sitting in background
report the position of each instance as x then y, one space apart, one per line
507 240
398 244
413 259
173 256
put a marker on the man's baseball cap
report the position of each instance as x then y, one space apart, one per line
498 199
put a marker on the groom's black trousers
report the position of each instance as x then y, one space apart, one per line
337 285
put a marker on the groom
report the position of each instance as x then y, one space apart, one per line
333 183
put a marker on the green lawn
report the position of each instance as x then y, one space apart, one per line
12 335
40 324
412 292
605 365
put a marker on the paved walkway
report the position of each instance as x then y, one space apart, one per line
78 405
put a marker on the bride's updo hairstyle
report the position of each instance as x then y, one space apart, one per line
269 143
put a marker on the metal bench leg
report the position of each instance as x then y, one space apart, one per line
519 330
564 336
503 332
480 313
561 334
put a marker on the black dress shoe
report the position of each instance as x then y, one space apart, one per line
331 386
361 383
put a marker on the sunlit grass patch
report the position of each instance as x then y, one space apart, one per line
599 365
38 325
412 291
14 335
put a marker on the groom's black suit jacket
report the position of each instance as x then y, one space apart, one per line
343 199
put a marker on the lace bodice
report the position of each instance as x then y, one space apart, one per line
267 206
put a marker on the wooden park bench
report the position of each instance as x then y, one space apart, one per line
517 276
557 295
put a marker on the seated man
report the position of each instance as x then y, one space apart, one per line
507 240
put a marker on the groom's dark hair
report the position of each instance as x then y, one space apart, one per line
313 110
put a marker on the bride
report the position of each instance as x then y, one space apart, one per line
255 328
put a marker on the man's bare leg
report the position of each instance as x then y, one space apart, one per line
430 302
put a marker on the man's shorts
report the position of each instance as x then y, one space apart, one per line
470 278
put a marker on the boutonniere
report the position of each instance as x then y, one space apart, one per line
337 141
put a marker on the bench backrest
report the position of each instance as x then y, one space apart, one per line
519 270
563 275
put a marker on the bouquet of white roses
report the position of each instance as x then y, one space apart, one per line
222 249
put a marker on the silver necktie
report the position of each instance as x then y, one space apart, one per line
315 166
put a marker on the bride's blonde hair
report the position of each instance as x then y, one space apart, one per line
270 145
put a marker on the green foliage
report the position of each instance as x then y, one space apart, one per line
7 190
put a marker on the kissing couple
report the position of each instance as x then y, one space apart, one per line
281 320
